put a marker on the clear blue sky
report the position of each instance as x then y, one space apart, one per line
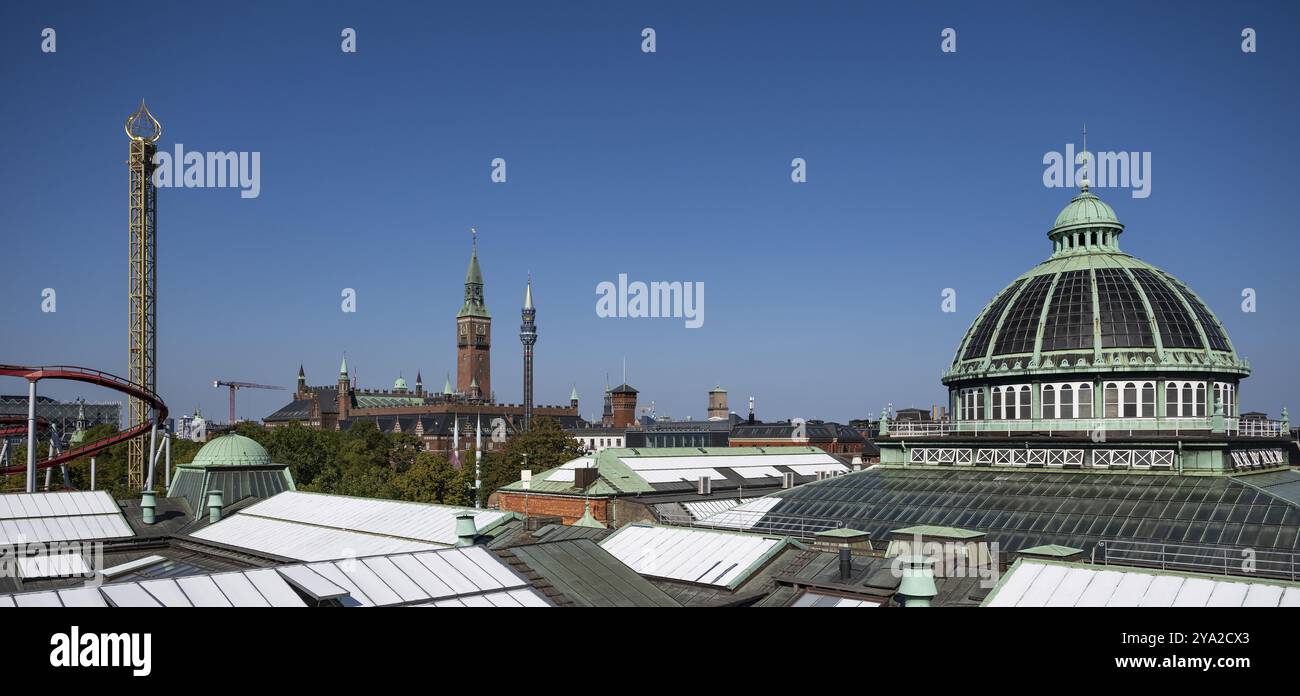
822 299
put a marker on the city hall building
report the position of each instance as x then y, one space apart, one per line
437 418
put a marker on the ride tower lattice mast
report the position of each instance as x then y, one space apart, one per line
143 130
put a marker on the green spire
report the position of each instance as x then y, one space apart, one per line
343 369
573 395
446 386
587 520
474 305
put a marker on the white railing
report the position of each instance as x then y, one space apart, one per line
1219 560
1256 427
1169 426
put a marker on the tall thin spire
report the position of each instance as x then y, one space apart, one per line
528 337
1084 183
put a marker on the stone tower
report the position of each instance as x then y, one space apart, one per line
623 403
718 403
474 335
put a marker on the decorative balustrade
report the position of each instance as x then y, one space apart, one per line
1236 427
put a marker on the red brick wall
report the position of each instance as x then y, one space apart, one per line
567 507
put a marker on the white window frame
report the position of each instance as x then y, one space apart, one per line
1076 402
1012 402
1131 399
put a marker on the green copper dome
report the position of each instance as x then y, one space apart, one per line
1086 209
231 450
399 384
1093 308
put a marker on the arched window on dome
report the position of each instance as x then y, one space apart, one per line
1200 400
1148 400
1130 400
1067 400
1011 402
1112 400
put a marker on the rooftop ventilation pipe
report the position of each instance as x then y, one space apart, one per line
465 530
916 588
148 502
216 501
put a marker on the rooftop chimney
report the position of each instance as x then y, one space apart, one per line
148 502
216 501
584 476
465 530
846 564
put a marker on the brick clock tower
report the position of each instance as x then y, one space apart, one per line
474 336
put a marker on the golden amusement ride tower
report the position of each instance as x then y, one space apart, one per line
144 131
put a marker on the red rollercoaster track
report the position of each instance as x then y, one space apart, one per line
97 378
17 425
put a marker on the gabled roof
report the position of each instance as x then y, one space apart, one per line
587 574
1047 583
697 556
678 469
468 576
317 526
30 518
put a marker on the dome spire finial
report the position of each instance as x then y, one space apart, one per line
141 125
1083 183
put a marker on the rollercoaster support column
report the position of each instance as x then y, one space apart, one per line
167 461
31 436
92 473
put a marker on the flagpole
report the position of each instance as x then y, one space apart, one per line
478 458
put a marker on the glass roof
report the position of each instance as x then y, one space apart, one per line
1024 509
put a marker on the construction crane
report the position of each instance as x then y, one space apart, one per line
236 386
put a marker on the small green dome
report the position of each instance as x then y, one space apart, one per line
1087 210
231 450
78 437
399 384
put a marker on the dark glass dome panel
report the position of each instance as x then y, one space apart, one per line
1212 333
979 342
1124 321
1021 325
1177 330
1069 319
